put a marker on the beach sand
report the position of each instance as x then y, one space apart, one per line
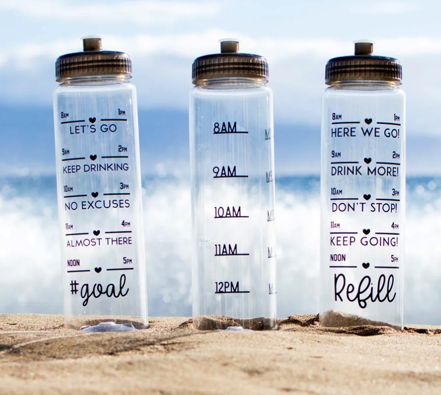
39 356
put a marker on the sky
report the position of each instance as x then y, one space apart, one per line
164 37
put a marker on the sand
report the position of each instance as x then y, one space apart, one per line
39 356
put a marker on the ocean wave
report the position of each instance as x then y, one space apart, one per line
30 269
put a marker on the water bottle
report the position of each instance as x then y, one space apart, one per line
99 190
233 192
362 191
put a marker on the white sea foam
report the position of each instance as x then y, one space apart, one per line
30 273
30 269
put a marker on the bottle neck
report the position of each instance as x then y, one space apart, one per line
97 80
231 83
366 85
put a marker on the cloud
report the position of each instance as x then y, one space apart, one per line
276 49
162 64
191 45
129 11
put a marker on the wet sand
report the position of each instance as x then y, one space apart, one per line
39 356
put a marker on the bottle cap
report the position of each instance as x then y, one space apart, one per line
92 62
229 63
363 66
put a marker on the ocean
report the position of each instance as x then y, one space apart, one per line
30 268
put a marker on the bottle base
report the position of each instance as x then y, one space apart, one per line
106 322
110 326
222 322
335 319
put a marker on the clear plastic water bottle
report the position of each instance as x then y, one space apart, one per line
99 189
362 191
232 166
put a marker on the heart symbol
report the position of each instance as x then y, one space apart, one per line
367 160
92 120
96 232
366 231
93 157
367 196
365 264
94 194
368 120
98 269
